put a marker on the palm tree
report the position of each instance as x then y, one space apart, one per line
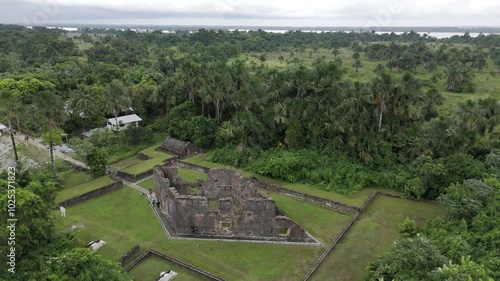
468 115
84 102
117 100
335 52
164 94
357 64
382 90
491 111
50 111
190 78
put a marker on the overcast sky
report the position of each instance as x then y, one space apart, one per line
254 12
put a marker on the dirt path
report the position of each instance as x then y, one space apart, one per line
20 140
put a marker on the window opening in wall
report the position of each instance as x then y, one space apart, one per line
283 231
225 224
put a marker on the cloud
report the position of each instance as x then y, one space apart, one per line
445 12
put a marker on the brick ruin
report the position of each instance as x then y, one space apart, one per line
227 206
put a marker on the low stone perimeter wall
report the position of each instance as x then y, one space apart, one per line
90 194
133 178
143 156
336 206
152 252
193 167
367 203
130 255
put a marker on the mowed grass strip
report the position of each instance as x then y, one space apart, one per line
151 267
357 199
323 224
140 166
125 163
123 218
187 175
371 236
147 184
152 152
75 178
143 166
203 159
74 191
191 176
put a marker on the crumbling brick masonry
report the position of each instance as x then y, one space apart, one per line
226 206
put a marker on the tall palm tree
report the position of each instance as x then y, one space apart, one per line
382 90
164 94
357 64
490 108
468 115
190 78
117 100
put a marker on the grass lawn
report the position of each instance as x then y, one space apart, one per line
75 178
83 188
187 175
321 223
124 219
355 200
150 151
151 268
135 166
191 176
128 162
147 184
143 166
203 159
371 235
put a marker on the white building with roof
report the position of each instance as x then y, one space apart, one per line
123 121
3 129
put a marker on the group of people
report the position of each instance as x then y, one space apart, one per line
154 200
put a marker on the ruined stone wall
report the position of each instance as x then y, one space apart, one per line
162 186
243 210
224 183
169 172
182 210
90 195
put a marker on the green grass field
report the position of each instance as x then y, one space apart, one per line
135 166
128 162
151 152
74 191
321 223
151 267
187 175
147 184
75 178
143 166
191 176
203 159
372 235
123 218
